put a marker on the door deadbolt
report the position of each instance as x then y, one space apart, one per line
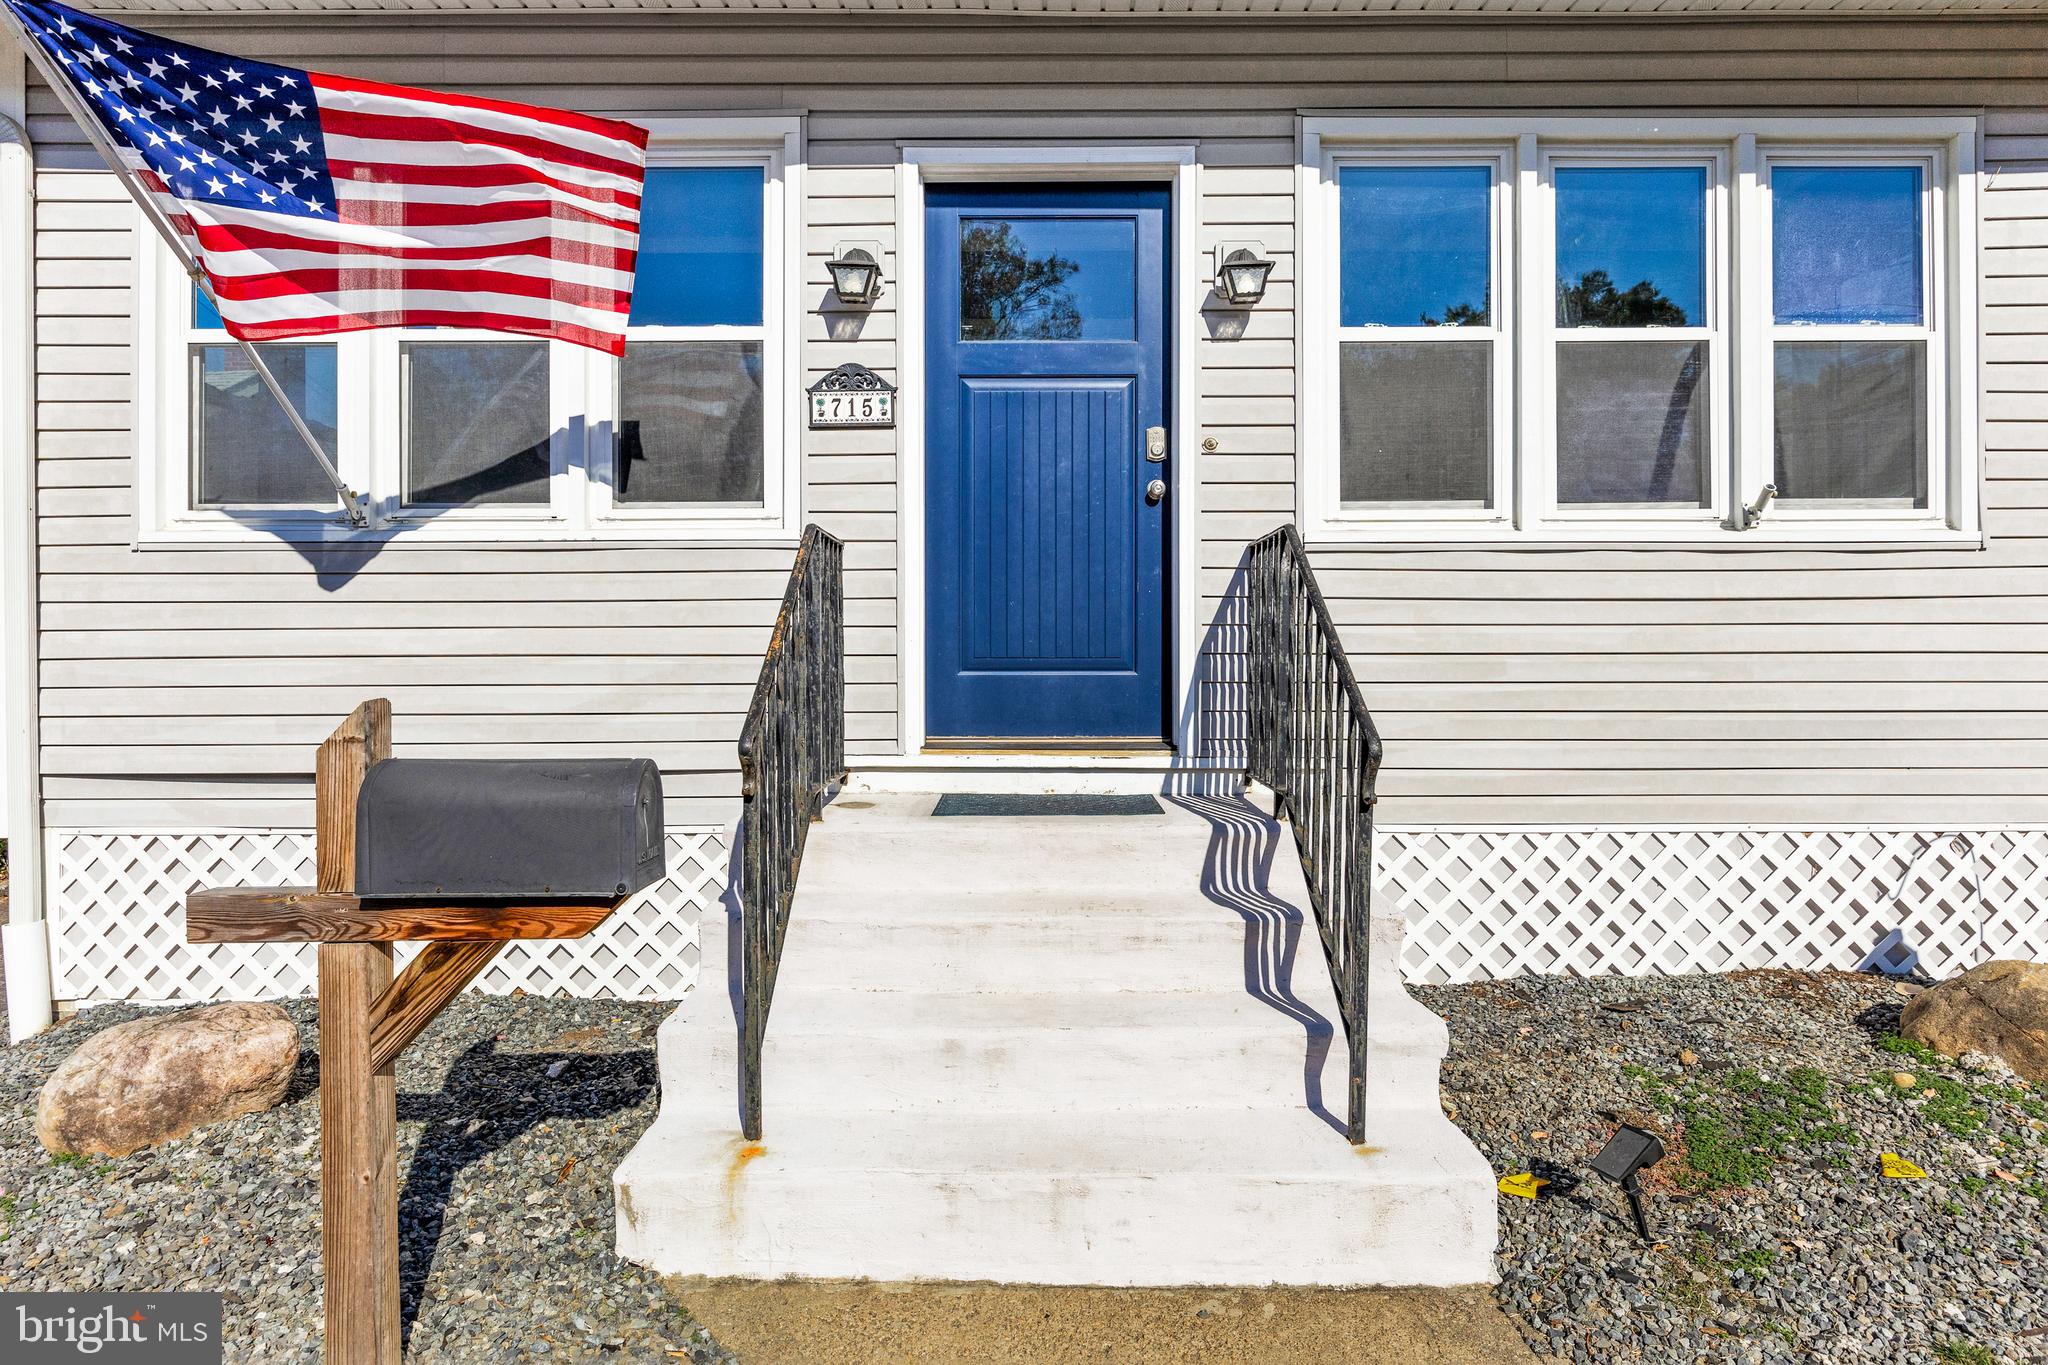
1155 491
1155 444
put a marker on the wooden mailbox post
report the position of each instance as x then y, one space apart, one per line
367 1019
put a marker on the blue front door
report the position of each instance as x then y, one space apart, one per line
1046 553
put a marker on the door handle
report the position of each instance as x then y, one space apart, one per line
1155 444
1155 491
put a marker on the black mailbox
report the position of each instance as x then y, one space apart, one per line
493 829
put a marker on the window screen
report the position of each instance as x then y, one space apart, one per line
1631 423
244 450
1851 422
476 423
690 422
1417 422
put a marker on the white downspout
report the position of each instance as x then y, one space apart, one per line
24 940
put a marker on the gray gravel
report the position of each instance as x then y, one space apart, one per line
1778 1238
505 1204
1778 1242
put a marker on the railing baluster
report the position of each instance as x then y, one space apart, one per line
792 749
1310 738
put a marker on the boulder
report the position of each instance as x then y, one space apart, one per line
1999 1008
151 1080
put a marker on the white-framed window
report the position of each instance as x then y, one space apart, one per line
1678 314
463 435
1424 371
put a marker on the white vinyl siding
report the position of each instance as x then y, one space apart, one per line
187 686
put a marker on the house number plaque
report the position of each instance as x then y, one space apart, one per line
853 396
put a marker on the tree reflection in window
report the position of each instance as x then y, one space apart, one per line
1465 314
1595 302
1007 295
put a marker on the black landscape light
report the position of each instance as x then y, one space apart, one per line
1629 1153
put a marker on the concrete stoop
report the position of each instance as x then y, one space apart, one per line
1055 1050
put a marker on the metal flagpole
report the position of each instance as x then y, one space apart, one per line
60 84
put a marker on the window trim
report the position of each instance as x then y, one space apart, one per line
1741 430
583 399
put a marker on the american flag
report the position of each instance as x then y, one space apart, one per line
318 204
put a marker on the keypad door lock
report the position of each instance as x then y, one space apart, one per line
1155 444
1155 491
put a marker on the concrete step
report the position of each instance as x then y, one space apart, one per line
1057 1051
1219 1197
1030 1052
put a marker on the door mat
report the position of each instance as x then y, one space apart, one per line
1027 803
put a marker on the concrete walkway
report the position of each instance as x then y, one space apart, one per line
781 1322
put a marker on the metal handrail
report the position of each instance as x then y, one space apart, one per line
792 749
1310 738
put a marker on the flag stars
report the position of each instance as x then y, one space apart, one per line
301 146
234 77
242 102
156 69
294 108
216 186
187 93
266 90
272 123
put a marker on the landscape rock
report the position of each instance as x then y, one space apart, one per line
1999 1008
159 1077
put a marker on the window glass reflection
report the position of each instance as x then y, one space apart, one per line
1631 246
700 247
1417 245
1845 244
1048 279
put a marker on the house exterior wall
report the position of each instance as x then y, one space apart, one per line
184 688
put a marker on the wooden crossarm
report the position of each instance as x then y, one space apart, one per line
301 914
421 991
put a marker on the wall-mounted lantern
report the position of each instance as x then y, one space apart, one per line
1241 273
856 274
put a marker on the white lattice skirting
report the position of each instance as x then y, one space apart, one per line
1479 904
117 922
1495 903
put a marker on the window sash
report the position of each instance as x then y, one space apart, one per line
1932 332
1498 333
781 461
1539 397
